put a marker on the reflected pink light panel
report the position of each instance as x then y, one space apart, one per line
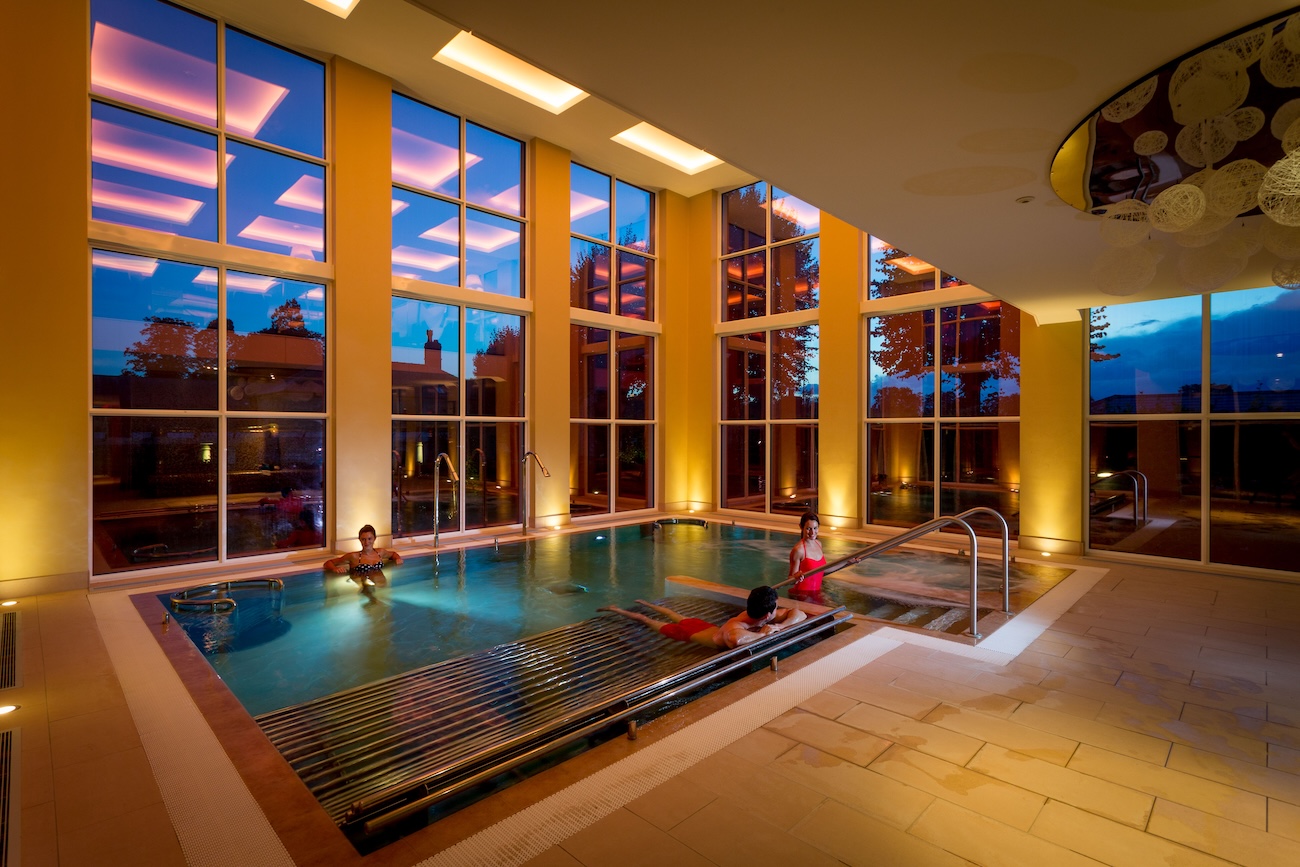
237 282
151 154
146 203
250 102
293 235
120 262
399 206
506 200
423 163
306 194
798 212
478 236
582 205
423 259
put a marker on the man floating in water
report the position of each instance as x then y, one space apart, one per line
760 620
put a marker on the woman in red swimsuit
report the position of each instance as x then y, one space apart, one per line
807 557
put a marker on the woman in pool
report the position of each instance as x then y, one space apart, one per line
363 565
807 560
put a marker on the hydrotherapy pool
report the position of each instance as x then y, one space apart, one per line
320 635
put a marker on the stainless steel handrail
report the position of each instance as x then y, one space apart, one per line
1139 481
929 527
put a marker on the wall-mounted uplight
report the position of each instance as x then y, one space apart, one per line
668 149
341 8
1104 475
9 602
478 59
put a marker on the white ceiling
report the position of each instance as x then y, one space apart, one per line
921 121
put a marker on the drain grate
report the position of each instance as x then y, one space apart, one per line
8 649
8 799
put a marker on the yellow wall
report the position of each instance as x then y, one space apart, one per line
548 179
1051 435
44 276
840 389
361 441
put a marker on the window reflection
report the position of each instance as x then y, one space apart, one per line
980 467
635 361
794 468
894 272
980 352
155 491
426 357
589 269
796 276
744 462
275 484
1146 357
151 174
274 95
900 467
634 280
589 454
745 278
900 367
426 147
1255 351
493 254
792 217
426 238
589 397
588 203
275 203
494 352
493 170
154 333
275 343
795 369
491 473
744 218
1167 453
635 480
635 217
1254 493
744 376
423 490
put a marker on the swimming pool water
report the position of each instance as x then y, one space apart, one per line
321 635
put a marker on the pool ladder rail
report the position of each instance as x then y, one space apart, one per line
192 598
379 753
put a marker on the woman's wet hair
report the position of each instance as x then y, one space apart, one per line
806 517
367 529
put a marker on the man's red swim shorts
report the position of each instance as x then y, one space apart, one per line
683 630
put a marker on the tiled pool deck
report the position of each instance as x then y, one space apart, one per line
1157 720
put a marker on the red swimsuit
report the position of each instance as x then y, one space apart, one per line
808 583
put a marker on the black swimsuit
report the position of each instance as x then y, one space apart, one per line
366 568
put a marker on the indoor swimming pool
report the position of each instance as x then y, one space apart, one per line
320 635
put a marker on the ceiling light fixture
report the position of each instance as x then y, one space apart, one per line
490 65
341 8
668 149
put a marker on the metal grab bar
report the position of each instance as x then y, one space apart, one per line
444 459
1139 480
924 529
184 599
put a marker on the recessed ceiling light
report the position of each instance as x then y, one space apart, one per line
668 149
9 602
9 708
341 8
489 64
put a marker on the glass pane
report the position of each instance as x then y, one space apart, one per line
426 358
893 272
423 489
635 276
493 254
744 218
796 276
588 203
635 366
275 482
589 275
494 166
946 280
426 238
794 468
1168 454
900 365
746 282
156 56
275 343
151 174
492 455
744 459
795 369
426 147
589 455
1255 351
153 333
1146 357
1255 493
980 467
900 466
589 394
792 217
980 358
274 95
744 376
634 210
155 491
494 349
635 479
274 203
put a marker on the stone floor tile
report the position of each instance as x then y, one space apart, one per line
1170 668
965 694
1105 798
1149 691
94 791
1052 699
760 746
1284 819
141 836
887 696
1051 648
726 835
983 841
828 704
669 803
1025 739
863 790
623 839
831 737
1211 834
1099 734
1105 693
1096 642
1233 772
555 856
1246 808
923 736
1159 724
1284 759
72 697
1113 843
87 736
1283 714
38 840
852 838
729 775
1284 734
975 791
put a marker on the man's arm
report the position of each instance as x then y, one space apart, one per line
788 617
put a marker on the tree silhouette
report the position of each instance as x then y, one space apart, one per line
1097 325
287 320
165 348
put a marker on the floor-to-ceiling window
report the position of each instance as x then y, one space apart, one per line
943 400
458 323
1194 431
769 345
612 344
208 294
